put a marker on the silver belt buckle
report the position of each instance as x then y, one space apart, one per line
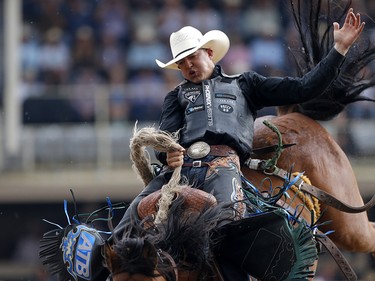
198 150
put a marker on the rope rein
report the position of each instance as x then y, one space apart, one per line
163 142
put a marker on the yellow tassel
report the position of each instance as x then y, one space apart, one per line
311 202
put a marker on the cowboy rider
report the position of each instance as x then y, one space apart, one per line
214 113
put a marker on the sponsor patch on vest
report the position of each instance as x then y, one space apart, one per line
225 96
194 109
226 108
192 94
207 96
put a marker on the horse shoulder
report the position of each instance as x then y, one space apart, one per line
322 160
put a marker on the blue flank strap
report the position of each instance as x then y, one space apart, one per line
329 232
111 210
293 181
66 211
76 220
249 184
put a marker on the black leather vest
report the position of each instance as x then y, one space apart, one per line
217 112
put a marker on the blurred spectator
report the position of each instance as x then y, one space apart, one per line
232 16
112 17
268 51
118 101
173 16
113 41
31 12
171 79
363 109
110 53
144 13
78 13
30 86
146 93
258 16
50 14
30 49
30 63
55 56
84 50
239 57
144 49
84 91
204 17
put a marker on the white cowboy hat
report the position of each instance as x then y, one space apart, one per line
188 39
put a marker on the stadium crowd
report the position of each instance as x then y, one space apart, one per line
74 50
87 43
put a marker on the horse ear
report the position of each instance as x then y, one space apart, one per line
149 252
109 256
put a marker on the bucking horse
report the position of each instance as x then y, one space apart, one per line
300 193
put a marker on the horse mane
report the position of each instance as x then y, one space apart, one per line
314 24
134 253
158 250
131 255
191 247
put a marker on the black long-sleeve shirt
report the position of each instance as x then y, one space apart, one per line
260 91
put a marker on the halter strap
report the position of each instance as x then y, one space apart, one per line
160 252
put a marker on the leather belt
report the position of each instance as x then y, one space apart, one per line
324 196
196 164
201 149
336 254
321 195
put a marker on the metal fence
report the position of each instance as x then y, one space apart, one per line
103 140
49 150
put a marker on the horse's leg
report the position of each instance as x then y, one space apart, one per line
353 232
332 172
327 166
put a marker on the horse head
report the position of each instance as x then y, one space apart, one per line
131 259
171 247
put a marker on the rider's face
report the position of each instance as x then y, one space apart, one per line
198 66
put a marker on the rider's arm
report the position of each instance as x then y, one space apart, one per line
171 119
345 36
276 91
